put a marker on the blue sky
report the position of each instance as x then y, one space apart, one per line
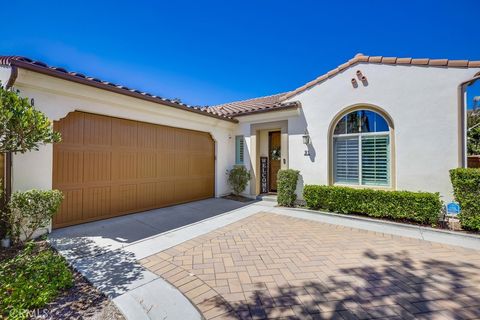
209 52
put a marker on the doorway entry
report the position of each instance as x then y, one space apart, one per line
274 156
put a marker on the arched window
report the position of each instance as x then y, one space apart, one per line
361 149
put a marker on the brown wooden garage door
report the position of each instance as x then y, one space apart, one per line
108 167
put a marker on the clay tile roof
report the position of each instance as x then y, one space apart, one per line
254 105
230 110
41 67
361 58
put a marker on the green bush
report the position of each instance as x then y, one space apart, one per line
466 188
286 186
31 279
31 210
238 178
422 207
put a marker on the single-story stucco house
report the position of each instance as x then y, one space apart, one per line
373 122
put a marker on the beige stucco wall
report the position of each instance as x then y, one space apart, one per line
423 104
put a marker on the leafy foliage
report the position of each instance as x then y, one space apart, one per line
22 127
286 186
31 280
473 133
466 188
422 207
238 178
31 210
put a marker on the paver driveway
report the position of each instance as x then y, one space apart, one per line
274 266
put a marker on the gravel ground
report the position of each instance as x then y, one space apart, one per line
82 301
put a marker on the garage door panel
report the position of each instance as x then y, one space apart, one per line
96 202
165 138
97 129
124 199
165 164
147 136
97 166
165 193
200 164
108 167
124 133
182 164
183 190
71 208
182 142
72 131
147 164
124 165
69 168
146 195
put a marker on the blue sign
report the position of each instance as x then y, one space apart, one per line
453 208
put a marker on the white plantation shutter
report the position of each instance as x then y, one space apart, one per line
346 160
375 160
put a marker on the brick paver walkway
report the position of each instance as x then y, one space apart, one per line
273 266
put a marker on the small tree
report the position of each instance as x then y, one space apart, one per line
22 127
238 179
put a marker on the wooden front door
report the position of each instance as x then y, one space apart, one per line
108 167
275 161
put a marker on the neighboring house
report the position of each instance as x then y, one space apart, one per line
373 122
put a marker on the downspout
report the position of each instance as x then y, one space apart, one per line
7 175
462 120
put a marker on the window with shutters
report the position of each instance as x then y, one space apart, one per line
361 149
239 149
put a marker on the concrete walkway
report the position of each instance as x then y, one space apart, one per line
107 252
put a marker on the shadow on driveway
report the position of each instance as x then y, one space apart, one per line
133 227
396 287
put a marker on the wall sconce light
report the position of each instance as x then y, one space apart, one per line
306 141
306 138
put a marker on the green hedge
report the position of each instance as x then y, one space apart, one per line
422 207
466 188
286 186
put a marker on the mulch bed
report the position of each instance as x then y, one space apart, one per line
82 301
237 198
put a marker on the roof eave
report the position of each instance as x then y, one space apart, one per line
103 86
290 106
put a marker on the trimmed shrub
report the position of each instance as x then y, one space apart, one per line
238 178
31 280
286 186
421 207
32 210
466 188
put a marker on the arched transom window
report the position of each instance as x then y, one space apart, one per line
361 149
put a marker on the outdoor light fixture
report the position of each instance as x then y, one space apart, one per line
306 141
306 138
